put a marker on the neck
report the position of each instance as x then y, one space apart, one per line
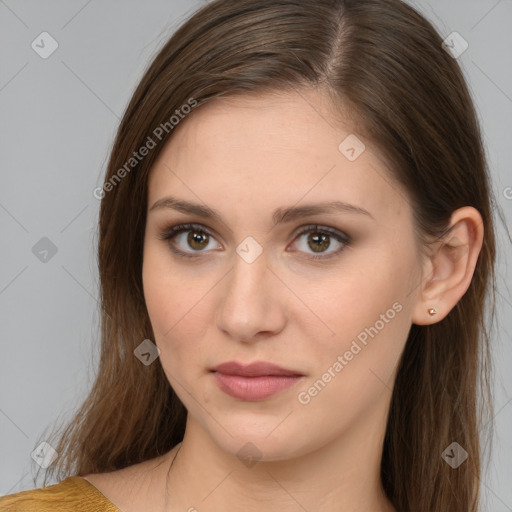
343 474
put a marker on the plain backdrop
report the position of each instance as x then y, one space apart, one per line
58 117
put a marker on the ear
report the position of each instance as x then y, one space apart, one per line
449 269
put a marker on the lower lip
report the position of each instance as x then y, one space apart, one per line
254 388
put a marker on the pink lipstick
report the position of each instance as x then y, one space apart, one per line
255 381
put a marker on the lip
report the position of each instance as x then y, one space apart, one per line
254 382
257 369
253 389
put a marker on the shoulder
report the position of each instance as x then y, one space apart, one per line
73 493
132 488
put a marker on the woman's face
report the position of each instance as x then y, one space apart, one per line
239 287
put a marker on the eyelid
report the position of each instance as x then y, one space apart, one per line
173 230
176 229
338 235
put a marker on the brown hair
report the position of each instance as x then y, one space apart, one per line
386 62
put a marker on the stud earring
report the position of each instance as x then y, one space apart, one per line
432 311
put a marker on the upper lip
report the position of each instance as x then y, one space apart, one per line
253 370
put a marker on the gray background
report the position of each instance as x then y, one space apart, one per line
58 117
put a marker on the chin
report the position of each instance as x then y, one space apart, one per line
252 444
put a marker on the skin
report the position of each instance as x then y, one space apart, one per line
245 157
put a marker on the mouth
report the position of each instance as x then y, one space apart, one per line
254 382
257 369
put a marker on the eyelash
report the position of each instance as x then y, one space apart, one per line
170 232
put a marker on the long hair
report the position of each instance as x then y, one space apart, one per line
386 62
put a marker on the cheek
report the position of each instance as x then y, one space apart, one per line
167 289
353 370
157 292
369 311
176 301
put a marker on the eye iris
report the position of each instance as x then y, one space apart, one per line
196 237
319 241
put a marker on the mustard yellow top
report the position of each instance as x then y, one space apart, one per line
74 494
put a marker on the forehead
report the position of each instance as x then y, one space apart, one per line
302 122
272 150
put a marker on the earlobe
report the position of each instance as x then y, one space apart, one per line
450 267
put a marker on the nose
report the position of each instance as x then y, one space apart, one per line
252 301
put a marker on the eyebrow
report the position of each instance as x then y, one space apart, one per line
280 215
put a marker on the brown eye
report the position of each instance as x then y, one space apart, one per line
319 239
318 242
188 240
191 240
197 240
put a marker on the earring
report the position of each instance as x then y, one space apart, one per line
432 311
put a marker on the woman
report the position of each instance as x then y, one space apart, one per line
296 245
